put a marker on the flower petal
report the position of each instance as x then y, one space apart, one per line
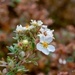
50 32
40 22
42 49
44 26
42 30
51 48
19 28
41 37
39 47
47 39
45 51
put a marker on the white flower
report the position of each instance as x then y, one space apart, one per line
46 32
19 28
27 27
44 46
36 23
39 22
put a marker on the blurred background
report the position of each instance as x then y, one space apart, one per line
58 15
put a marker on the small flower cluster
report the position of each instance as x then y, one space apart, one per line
45 35
30 39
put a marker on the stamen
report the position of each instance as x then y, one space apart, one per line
27 26
45 44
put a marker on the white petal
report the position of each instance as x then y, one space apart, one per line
42 30
31 27
50 32
45 51
44 26
24 28
44 38
39 47
41 37
19 28
40 22
51 48
48 39
42 49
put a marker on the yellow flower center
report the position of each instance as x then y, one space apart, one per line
27 26
45 44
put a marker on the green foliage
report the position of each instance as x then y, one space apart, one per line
10 73
12 4
33 44
35 63
70 59
17 1
21 69
13 49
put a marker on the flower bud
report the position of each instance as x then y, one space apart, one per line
5 71
20 44
25 42
22 53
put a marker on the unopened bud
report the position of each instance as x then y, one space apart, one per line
25 42
20 44
5 71
22 53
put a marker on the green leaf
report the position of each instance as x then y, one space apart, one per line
28 61
16 37
33 44
21 69
32 56
10 73
35 63
35 59
70 59
11 48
